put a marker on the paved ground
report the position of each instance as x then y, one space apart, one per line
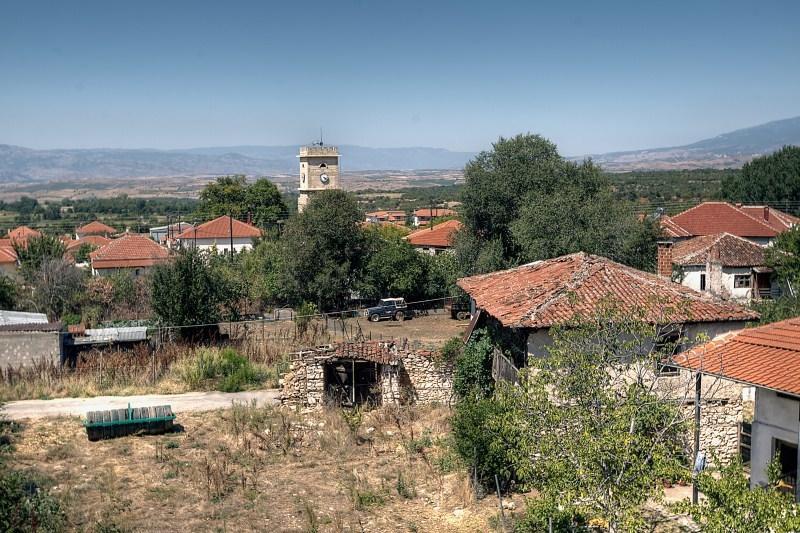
190 401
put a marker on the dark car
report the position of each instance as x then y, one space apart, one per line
394 308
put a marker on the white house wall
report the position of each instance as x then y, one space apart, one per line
775 418
222 244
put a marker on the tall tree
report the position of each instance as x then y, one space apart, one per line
324 250
57 288
35 251
524 202
394 267
771 179
261 200
8 292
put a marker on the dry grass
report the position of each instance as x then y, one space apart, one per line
262 469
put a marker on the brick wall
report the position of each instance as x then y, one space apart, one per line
664 266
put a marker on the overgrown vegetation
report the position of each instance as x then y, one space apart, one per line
223 370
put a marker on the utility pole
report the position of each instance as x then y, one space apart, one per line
230 225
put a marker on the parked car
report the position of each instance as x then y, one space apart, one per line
394 308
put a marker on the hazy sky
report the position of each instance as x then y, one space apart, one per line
593 76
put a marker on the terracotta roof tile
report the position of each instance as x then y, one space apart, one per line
766 356
778 220
728 249
434 212
93 240
439 236
22 234
220 228
95 228
547 293
129 251
710 218
7 255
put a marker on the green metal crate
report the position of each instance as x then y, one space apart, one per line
133 420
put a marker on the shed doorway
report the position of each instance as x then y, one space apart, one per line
349 383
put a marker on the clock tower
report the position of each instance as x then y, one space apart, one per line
319 171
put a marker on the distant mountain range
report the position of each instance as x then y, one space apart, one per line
18 164
729 150
25 164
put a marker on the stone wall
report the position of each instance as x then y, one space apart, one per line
19 348
719 428
415 378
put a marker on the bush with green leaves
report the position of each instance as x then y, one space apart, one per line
473 372
729 504
223 370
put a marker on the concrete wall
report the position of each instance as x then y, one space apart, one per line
775 418
223 244
18 348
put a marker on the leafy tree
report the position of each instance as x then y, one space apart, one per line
36 251
57 288
771 178
784 255
473 372
731 505
324 250
186 291
8 292
82 254
524 202
394 268
233 195
262 270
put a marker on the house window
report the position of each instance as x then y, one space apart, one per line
702 282
788 459
667 345
741 281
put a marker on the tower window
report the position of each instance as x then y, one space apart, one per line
323 165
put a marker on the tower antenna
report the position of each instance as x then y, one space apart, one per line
320 136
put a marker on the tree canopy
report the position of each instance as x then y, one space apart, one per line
771 178
524 202
232 195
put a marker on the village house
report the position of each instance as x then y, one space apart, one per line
166 234
221 234
132 254
768 358
387 217
526 302
8 257
760 224
93 241
724 265
423 217
22 234
95 228
369 372
435 239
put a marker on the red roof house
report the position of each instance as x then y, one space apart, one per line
758 223
130 252
21 235
95 228
435 239
219 234
768 358
8 256
423 217
393 217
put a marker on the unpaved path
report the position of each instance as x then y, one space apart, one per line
189 401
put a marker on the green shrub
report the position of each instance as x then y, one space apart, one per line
539 512
27 506
226 370
451 350
473 372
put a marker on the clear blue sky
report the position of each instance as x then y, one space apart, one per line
593 76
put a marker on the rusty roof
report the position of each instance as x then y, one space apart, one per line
439 235
766 356
711 218
221 228
129 251
555 291
728 249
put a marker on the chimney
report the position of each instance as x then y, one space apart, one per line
766 212
664 259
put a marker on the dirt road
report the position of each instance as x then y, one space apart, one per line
186 402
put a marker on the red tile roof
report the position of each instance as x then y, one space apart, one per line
220 228
555 291
779 220
93 240
435 212
438 236
766 356
95 228
21 234
728 249
7 253
129 251
710 218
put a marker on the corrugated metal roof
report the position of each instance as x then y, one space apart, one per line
8 318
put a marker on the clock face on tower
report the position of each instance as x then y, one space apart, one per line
324 179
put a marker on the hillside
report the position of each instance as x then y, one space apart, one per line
729 150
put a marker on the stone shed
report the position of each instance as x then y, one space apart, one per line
370 372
